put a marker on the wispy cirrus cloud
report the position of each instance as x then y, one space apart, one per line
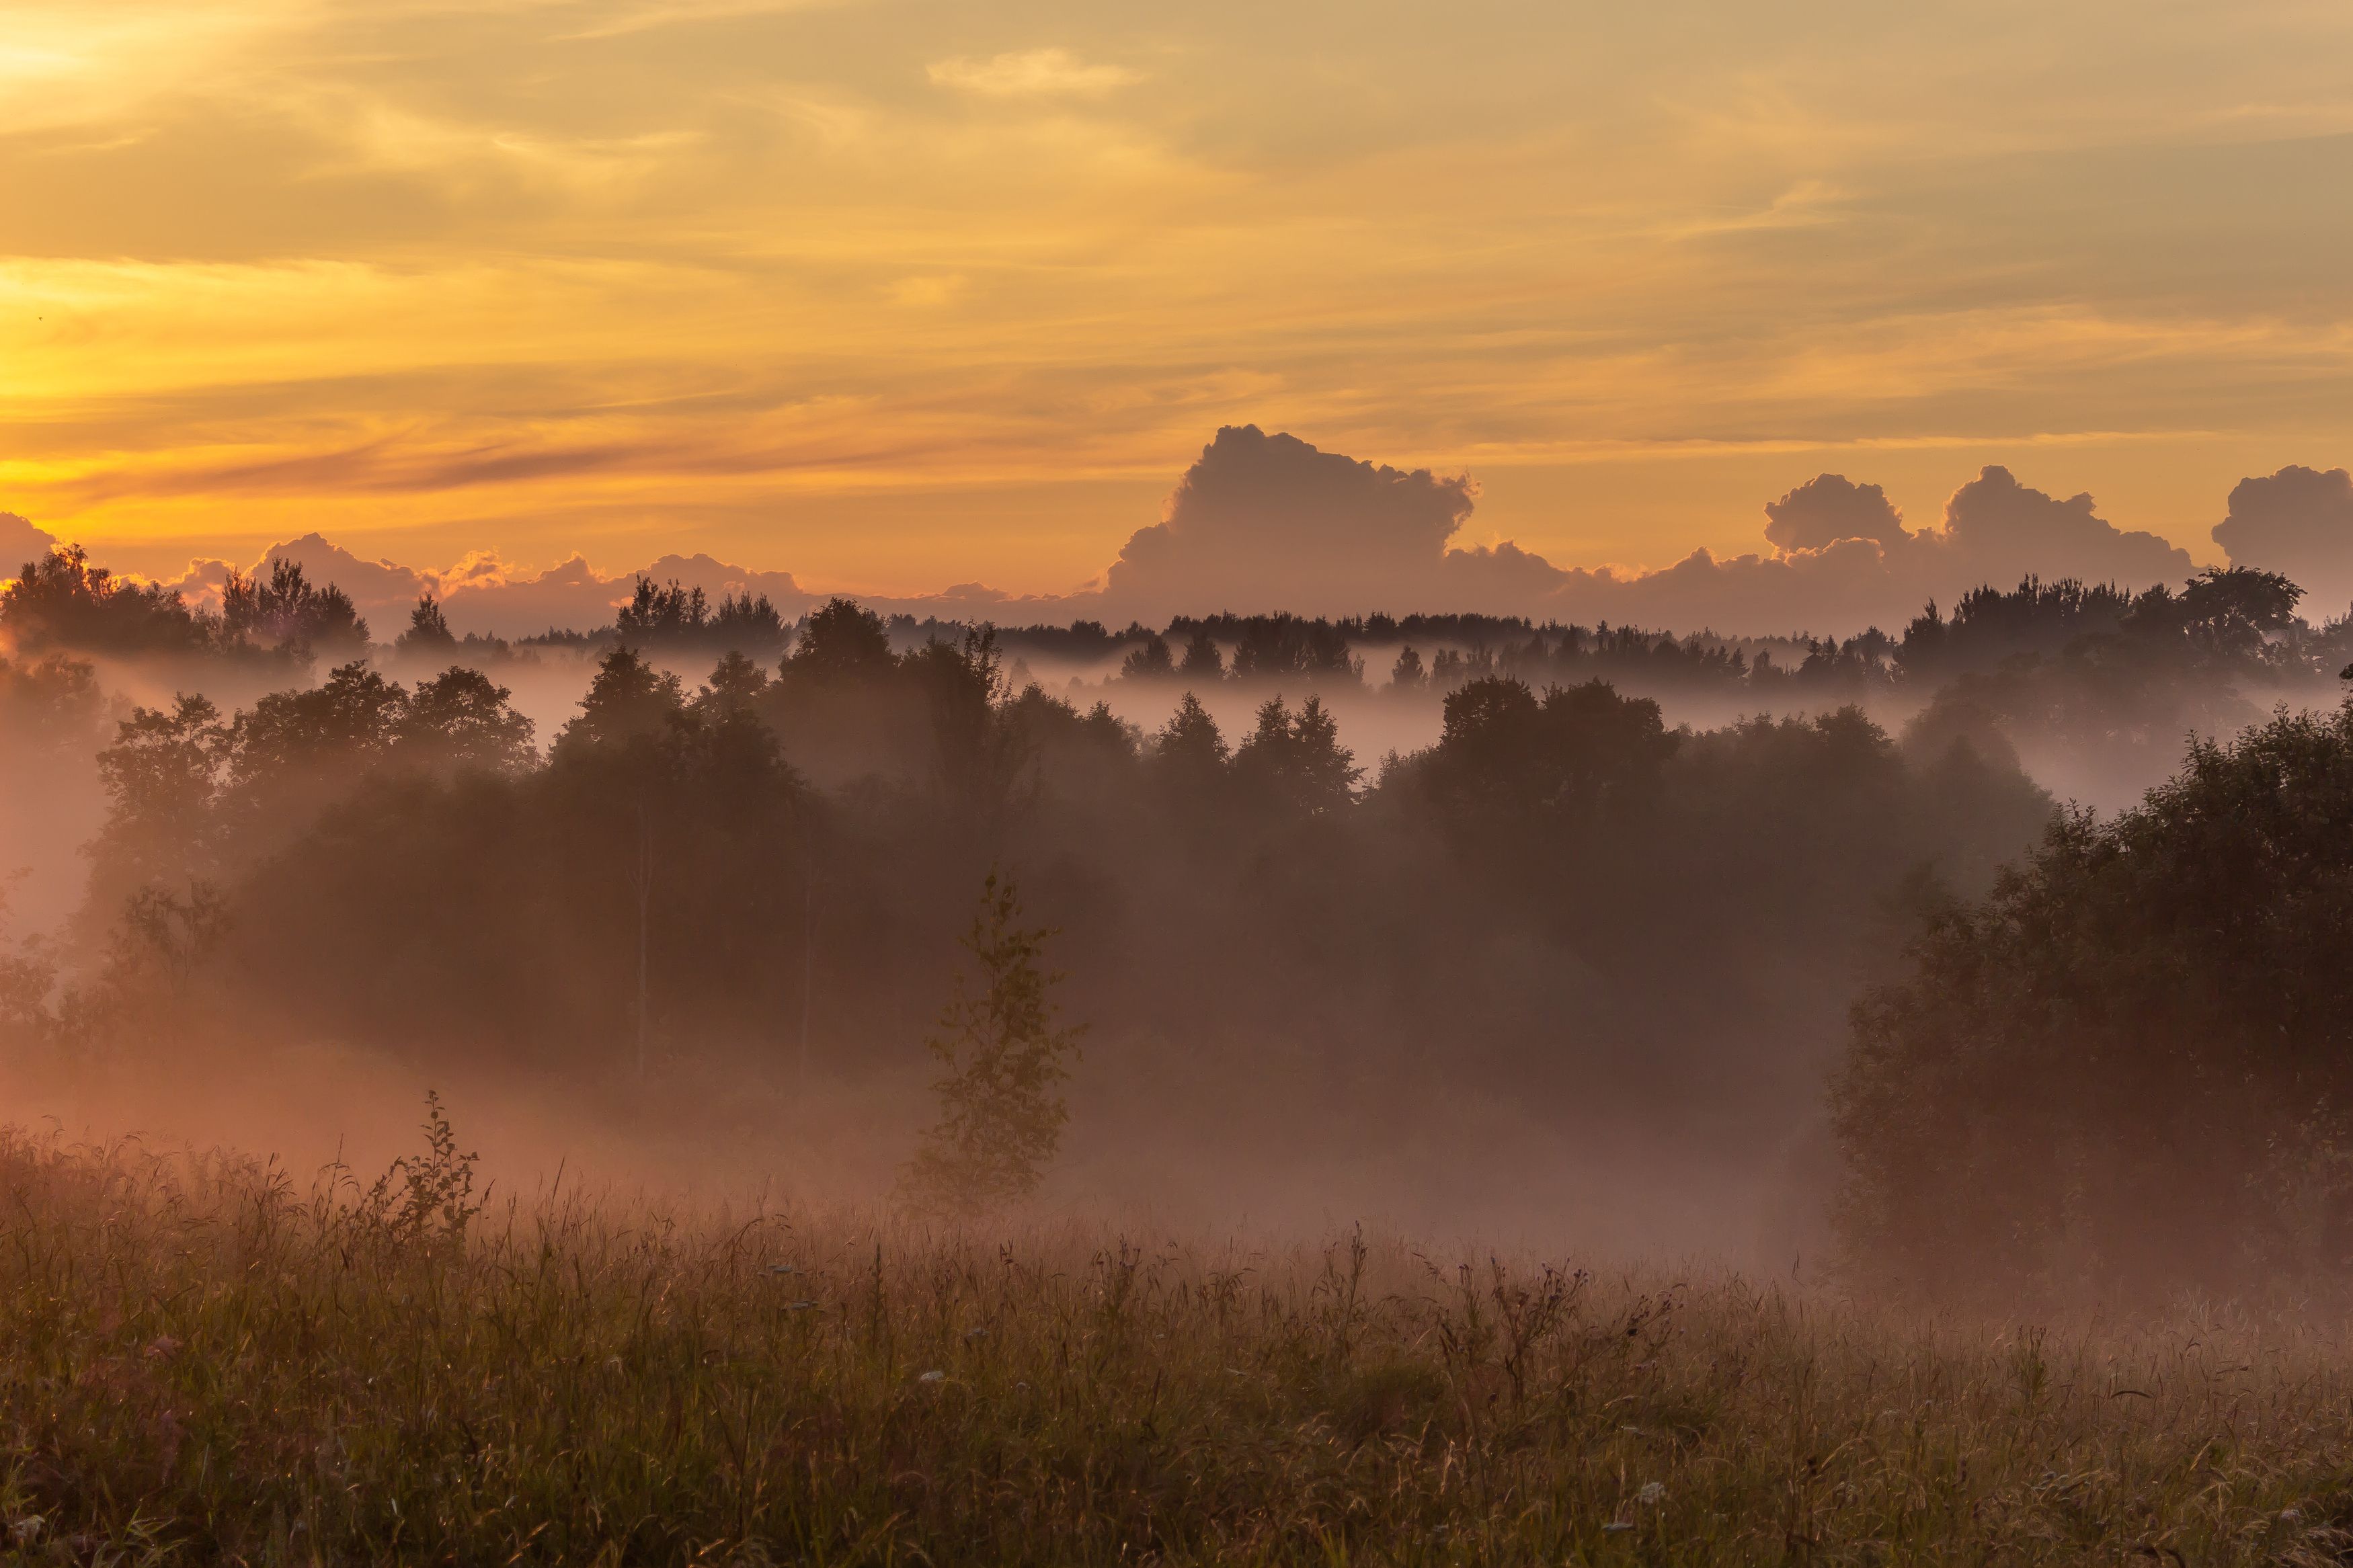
517 273
1032 73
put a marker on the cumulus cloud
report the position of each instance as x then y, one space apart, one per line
1843 561
1998 529
1266 522
383 590
1823 511
1262 522
1837 589
20 542
483 593
2300 521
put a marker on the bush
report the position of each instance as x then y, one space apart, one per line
2132 1065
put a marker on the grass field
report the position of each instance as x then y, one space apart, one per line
208 1362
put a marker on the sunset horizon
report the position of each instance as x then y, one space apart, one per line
895 296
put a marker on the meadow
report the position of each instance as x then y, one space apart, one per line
211 1362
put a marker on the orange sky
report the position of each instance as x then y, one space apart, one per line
901 295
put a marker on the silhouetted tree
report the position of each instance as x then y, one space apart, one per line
744 624
841 640
1151 662
429 635
2133 1063
1203 664
629 702
734 687
1296 760
62 601
287 609
461 719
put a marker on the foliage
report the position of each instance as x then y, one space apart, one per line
61 601
427 1197
1295 761
287 609
670 617
429 635
1001 1111
2133 1062
47 704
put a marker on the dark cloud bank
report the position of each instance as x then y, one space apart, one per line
1262 522
1271 522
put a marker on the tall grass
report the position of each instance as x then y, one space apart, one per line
206 1362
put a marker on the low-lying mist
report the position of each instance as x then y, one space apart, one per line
1450 925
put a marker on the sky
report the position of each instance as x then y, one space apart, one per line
896 295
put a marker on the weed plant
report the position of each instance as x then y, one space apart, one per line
207 1361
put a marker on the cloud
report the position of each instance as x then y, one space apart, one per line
482 596
384 591
1031 73
1837 589
1268 522
1998 529
20 542
1262 522
1824 510
482 593
2298 521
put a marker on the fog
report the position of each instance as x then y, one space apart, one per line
1448 924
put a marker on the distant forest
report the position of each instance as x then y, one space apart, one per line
1634 941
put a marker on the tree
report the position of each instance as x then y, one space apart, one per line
743 623
286 609
1202 662
26 978
981 761
47 704
2134 1061
1407 674
1572 749
1151 662
428 633
63 601
629 701
162 780
734 687
352 719
1189 743
1297 761
842 639
1001 1110
461 719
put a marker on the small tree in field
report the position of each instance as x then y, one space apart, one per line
1001 1110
